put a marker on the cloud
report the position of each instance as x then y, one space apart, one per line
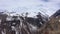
45 0
48 6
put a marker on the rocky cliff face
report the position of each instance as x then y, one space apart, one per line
53 25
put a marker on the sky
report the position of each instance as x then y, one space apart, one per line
48 7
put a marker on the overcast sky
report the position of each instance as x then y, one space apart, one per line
47 6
